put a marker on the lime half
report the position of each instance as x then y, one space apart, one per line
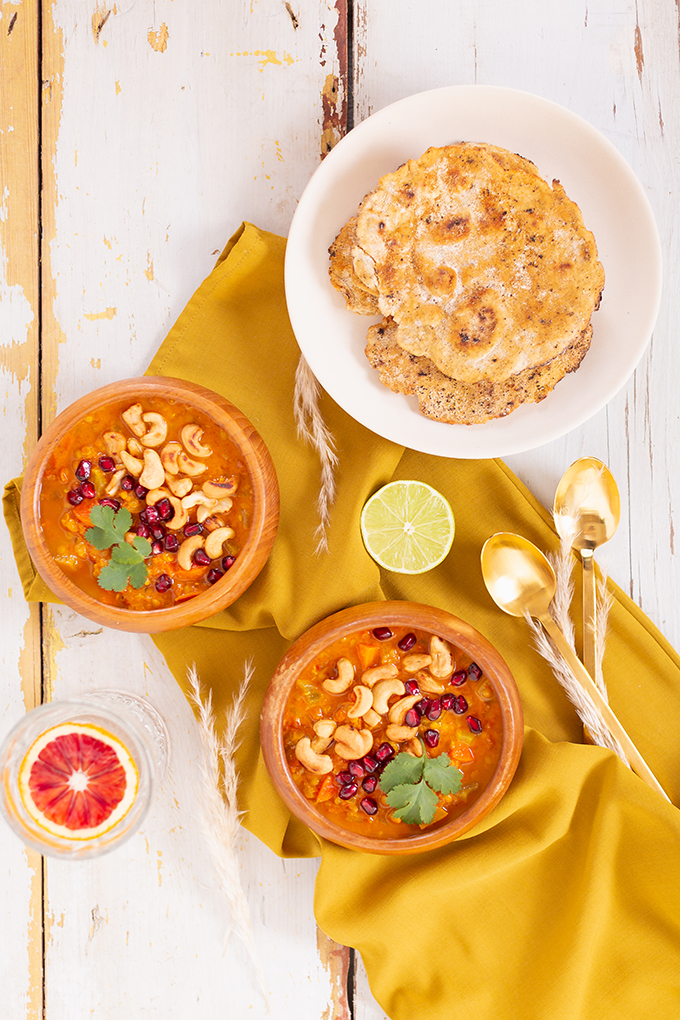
407 527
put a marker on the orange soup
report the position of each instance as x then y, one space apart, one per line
374 695
180 477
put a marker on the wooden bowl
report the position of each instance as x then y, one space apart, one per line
251 557
407 615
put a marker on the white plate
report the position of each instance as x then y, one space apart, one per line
562 146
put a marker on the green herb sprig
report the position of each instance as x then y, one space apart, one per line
126 565
411 785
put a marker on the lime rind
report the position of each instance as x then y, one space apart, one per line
407 527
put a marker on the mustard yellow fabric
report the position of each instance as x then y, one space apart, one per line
564 904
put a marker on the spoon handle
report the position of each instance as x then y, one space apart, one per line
589 613
637 762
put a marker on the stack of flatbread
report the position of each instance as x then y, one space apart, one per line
485 277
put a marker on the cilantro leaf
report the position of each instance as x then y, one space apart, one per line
110 526
402 769
413 803
441 775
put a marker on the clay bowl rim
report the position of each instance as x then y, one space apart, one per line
255 551
395 613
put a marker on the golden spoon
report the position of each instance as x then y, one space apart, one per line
587 492
521 581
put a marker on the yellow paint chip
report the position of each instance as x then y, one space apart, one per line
117 88
148 272
158 41
108 314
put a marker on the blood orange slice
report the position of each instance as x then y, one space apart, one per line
77 781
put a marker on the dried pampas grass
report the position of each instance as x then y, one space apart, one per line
312 428
219 804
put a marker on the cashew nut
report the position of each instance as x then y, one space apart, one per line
371 719
412 663
180 516
319 764
133 419
428 685
114 443
442 659
195 498
215 541
189 466
340 683
319 744
179 487
324 727
383 691
363 700
191 437
414 748
158 430
218 490
351 743
153 496
399 734
370 676
187 550
169 455
114 482
153 475
222 506
133 466
397 712
202 514
134 447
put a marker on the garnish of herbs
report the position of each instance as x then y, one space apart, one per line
411 785
126 565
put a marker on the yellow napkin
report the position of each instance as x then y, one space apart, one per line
564 904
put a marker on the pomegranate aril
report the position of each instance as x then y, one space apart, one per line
447 701
192 529
214 575
435 710
150 515
460 704
141 491
411 687
227 562
143 530
384 753
165 510
87 490
83 470
163 582
474 724
171 543
369 783
370 763
459 677
357 769
423 706
344 778
474 672
382 633
368 805
407 642
156 548
157 532
106 463
127 483
201 558
75 497
431 737
110 501
411 718
347 792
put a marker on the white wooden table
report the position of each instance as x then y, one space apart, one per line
134 139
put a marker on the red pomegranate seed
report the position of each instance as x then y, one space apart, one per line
201 558
348 791
75 497
171 543
127 483
407 642
156 548
140 491
193 529
163 582
382 633
164 507
422 706
474 724
368 805
357 769
227 562
214 575
411 687
369 783
447 701
384 752
411 718
474 672
143 530
460 705
157 532
110 501
435 710
370 763
84 470
431 737
88 490
150 515
106 463
459 677
344 778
